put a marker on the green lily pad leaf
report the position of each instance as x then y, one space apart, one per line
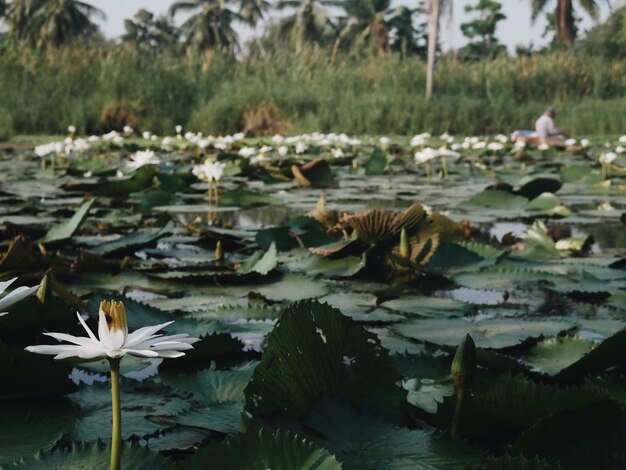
261 451
519 462
496 199
492 333
315 350
607 354
178 438
617 300
142 179
131 243
538 186
363 441
243 197
214 347
281 237
221 386
29 428
538 246
552 355
224 418
348 266
547 204
64 230
293 287
376 164
428 306
260 262
94 403
592 436
20 379
94 457
500 409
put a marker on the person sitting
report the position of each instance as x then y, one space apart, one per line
546 128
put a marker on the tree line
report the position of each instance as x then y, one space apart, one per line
353 26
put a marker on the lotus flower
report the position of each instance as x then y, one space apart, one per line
209 171
114 341
141 158
14 296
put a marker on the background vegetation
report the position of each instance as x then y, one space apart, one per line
361 72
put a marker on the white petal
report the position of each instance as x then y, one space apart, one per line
79 340
171 345
171 354
17 295
142 333
140 352
103 331
5 284
87 329
117 339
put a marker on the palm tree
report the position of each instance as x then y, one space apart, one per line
146 31
253 11
56 22
369 17
210 27
564 22
409 38
309 24
19 14
435 9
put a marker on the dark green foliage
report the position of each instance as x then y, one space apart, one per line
314 351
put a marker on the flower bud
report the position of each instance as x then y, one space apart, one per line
464 363
405 247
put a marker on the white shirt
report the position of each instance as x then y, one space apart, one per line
545 127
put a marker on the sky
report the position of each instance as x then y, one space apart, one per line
516 29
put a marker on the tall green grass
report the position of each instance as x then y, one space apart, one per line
44 92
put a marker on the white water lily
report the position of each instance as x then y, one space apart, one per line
209 171
584 142
301 147
71 129
178 129
114 341
570 142
622 139
426 155
543 147
141 158
608 158
15 295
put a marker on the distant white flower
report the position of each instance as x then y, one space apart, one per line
606 207
278 139
14 296
543 147
178 129
520 144
146 135
71 129
88 174
502 138
301 147
141 158
480 145
622 139
283 150
167 142
426 155
620 149
128 130
239 136
337 153
570 142
247 152
420 140
114 341
384 140
584 142
608 158
209 171
495 146
265 149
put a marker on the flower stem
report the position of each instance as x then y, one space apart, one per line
116 434
454 430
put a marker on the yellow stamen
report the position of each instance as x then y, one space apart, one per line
115 315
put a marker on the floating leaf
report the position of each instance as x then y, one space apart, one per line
64 230
315 350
